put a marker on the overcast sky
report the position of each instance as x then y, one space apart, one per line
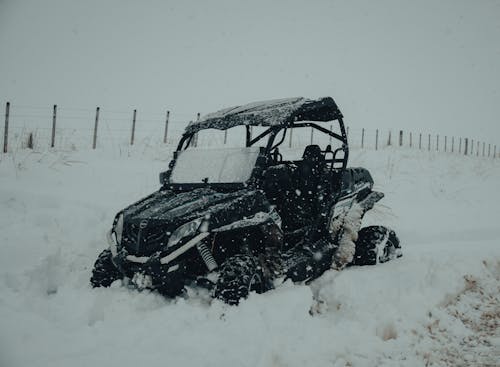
421 65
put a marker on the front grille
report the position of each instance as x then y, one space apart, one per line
144 241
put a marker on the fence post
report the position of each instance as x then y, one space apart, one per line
411 137
437 142
495 154
445 143
389 141
166 128
489 149
452 144
312 133
477 149
289 142
400 138
460 146
95 127
225 137
466 143
331 130
376 139
362 138
6 130
472 147
53 137
429 143
133 128
483 147
347 131
420 141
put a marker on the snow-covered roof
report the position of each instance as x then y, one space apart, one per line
269 113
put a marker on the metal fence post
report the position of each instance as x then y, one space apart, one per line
94 142
133 128
6 129
165 135
53 137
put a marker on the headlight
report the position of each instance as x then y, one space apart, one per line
118 229
185 230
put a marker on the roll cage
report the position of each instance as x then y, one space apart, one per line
271 148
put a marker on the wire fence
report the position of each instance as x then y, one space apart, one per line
71 128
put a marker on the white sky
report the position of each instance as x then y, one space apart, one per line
430 66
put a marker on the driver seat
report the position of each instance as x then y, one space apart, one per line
307 177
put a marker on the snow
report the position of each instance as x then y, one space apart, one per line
437 305
218 165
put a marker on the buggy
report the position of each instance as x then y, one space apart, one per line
242 218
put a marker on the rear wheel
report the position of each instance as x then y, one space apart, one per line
376 244
104 272
240 275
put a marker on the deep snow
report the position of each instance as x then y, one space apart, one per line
438 305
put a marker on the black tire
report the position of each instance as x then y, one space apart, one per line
239 275
376 244
104 272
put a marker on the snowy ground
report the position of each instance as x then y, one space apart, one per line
439 305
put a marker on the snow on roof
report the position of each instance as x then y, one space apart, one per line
269 113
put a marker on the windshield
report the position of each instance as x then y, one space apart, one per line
214 165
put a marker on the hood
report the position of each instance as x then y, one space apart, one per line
149 223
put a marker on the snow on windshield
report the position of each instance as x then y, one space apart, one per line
224 165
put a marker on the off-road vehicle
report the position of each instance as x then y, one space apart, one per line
240 219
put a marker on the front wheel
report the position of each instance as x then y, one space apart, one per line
376 244
104 272
240 275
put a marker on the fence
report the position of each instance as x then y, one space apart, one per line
70 128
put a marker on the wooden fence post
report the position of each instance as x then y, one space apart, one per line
420 141
411 137
489 149
225 137
471 146
389 140
483 147
429 143
460 146
95 127
452 144
445 143
166 128
376 139
466 143
477 149
6 129
290 141
437 142
133 128
53 137
362 138
495 154
400 138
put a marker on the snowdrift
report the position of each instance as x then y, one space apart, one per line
438 305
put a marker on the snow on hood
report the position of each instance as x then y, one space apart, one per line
269 113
